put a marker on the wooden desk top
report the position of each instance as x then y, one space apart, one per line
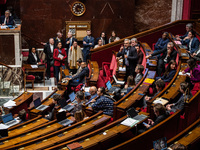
28 67
8 30
173 91
23 97
68 134
192 136
20 100
48 102
27 127
61 92
106 134
31 135
135 96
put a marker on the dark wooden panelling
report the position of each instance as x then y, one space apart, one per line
41 19
195 9
7 49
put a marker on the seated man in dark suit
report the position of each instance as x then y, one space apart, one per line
189 27
179 105
162 42
7 19
168 54
79 78
33 57
191 41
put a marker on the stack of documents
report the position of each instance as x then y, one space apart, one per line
34 66
9 104
122 68
180 73
161 101
129 122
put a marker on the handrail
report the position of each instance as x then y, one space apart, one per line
22 71
31 38
137 35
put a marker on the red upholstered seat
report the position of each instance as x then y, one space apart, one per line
112 65
30 77
107 71
77 88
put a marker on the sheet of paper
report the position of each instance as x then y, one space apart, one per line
60 56
122 68
9 104
86 89
129 122
3 126
180 73
4 27
160 100
61 110
34 66
178 42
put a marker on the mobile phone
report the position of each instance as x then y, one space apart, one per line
141 94
144 123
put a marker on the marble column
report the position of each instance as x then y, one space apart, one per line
177 10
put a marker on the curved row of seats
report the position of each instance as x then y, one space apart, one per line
114 130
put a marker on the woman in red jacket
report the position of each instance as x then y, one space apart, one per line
59 55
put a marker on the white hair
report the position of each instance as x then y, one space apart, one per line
7 11
58 33
51 39
171 44
134 39
127 40
189 25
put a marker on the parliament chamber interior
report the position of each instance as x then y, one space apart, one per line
99 75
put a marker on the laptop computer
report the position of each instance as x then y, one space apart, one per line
117 81
54 94
111 88
38 106
61 118
132 113
9 120
69 107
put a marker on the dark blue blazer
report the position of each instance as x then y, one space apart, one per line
194 44
70 44
87 46
81 76
11 22
182 37
169 77
161 43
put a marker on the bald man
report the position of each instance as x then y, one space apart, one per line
79 78
93 92
48 50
